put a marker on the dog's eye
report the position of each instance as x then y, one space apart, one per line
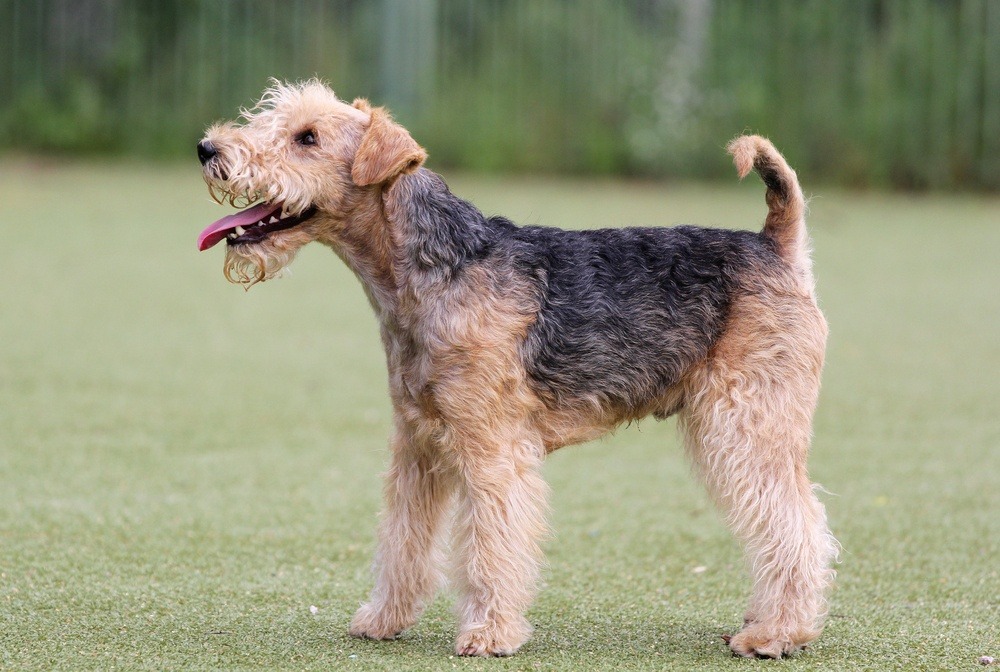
306 138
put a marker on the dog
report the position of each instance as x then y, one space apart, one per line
505 343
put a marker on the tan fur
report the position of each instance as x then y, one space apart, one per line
386 150
467 392
471 434
747 424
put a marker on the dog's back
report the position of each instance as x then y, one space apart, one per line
623 313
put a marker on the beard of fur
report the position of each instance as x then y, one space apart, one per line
247 265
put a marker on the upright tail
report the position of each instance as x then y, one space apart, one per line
785 223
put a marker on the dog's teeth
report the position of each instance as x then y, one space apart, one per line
240 230
273 220
231 235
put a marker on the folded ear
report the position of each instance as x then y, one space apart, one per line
386 150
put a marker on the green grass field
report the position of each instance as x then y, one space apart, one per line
185 468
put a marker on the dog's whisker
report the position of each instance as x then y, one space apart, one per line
217 194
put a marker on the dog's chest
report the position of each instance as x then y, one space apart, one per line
460 340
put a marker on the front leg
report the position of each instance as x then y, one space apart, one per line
406 564
500 521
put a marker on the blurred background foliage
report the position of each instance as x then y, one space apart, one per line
881 93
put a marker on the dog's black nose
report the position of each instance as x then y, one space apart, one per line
206 150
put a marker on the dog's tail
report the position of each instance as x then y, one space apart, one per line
786 214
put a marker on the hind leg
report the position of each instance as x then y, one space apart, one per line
748 425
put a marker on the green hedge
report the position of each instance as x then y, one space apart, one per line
902 93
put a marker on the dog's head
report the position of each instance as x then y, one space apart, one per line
303 160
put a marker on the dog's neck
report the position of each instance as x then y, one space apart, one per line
365 243
413 232
436 232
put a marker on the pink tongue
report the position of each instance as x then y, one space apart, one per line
218 230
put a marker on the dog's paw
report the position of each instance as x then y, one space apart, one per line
492 640
372 623
758 641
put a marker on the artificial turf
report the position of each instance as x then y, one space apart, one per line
186 469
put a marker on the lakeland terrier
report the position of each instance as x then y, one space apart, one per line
505 343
